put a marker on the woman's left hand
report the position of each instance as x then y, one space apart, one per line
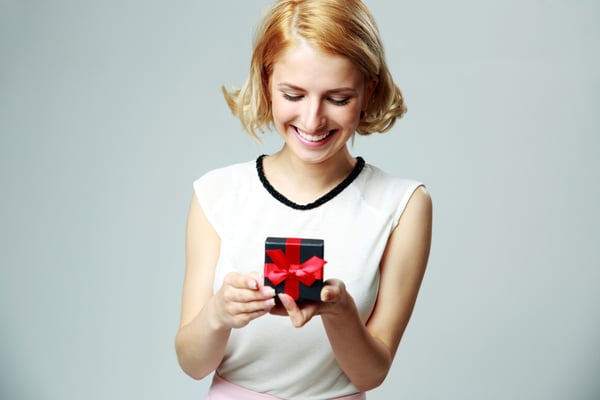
334 299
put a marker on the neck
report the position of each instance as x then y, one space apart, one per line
303 181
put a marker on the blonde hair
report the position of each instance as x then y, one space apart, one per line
340 27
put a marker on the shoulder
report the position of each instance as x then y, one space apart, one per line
390 193
220 191
224 178
379 185
376 176
215 185
420 203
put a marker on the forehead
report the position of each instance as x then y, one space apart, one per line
305 66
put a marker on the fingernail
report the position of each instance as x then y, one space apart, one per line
252 284
268 291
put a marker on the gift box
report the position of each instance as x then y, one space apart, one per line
295 266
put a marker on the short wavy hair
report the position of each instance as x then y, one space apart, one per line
340 27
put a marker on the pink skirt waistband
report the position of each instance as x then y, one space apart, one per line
221 389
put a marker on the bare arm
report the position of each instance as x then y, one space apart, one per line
365 353
207 318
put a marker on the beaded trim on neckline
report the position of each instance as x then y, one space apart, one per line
360 163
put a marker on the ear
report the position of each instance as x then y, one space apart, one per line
370 87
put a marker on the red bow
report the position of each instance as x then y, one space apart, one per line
287 267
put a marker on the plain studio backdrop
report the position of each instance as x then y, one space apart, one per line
109 110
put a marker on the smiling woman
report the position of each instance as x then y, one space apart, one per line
317 76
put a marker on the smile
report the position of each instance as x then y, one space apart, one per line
312 137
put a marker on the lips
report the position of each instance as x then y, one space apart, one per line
313 138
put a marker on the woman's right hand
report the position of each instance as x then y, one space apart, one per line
242 298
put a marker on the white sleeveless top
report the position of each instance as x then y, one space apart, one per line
269 355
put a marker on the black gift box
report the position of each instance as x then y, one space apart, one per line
295 266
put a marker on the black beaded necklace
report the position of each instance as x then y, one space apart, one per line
360 163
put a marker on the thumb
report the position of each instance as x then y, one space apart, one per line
332 289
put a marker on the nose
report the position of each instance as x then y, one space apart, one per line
313 117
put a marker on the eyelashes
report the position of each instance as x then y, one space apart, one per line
339 102
332 100
291 97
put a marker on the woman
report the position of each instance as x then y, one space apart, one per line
317 75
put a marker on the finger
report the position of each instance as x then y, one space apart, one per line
280 310
242 281
329 294
258 278
243 288
245 295
234 309
241 320
332 290
296 313
259 305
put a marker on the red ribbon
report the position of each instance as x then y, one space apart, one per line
286 267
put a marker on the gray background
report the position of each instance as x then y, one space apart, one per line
109 110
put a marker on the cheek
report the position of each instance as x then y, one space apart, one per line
348 115
282 110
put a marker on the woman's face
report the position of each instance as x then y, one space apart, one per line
316 101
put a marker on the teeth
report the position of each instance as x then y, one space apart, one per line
312 138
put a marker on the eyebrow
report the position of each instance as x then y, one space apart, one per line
340 90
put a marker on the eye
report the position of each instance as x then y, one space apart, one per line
291 97
339 102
